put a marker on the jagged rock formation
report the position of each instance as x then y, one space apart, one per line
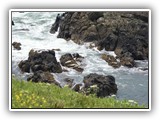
100 85
44 61
126 33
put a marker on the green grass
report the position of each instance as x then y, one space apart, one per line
42 95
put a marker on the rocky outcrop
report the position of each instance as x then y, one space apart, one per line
108 43
71 61
100 85
46 77
125 60
122 32
55 26
111 60
24 66
41 60
16 45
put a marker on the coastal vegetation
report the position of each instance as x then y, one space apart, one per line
44 95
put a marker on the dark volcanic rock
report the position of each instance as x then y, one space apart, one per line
113 31
100 85
93 16
44 61
108 43
71 61
24 66
40 76
55 26
16 45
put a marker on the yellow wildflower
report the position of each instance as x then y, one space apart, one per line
17 97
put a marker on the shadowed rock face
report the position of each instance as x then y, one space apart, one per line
40 76
122 32
44 61
104 85
42 64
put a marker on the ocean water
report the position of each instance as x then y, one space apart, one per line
31 29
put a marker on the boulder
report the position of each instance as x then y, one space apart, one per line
100 85
111 60
126 58
16 45
41 76
71 61
41 60
67 59
127 61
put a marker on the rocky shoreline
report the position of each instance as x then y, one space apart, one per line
43 63
125 33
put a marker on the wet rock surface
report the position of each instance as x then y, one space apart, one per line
71 61
16 45
100 85
44 61
125 60
55 26
111 60
122 32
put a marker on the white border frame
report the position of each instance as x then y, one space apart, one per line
65 10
